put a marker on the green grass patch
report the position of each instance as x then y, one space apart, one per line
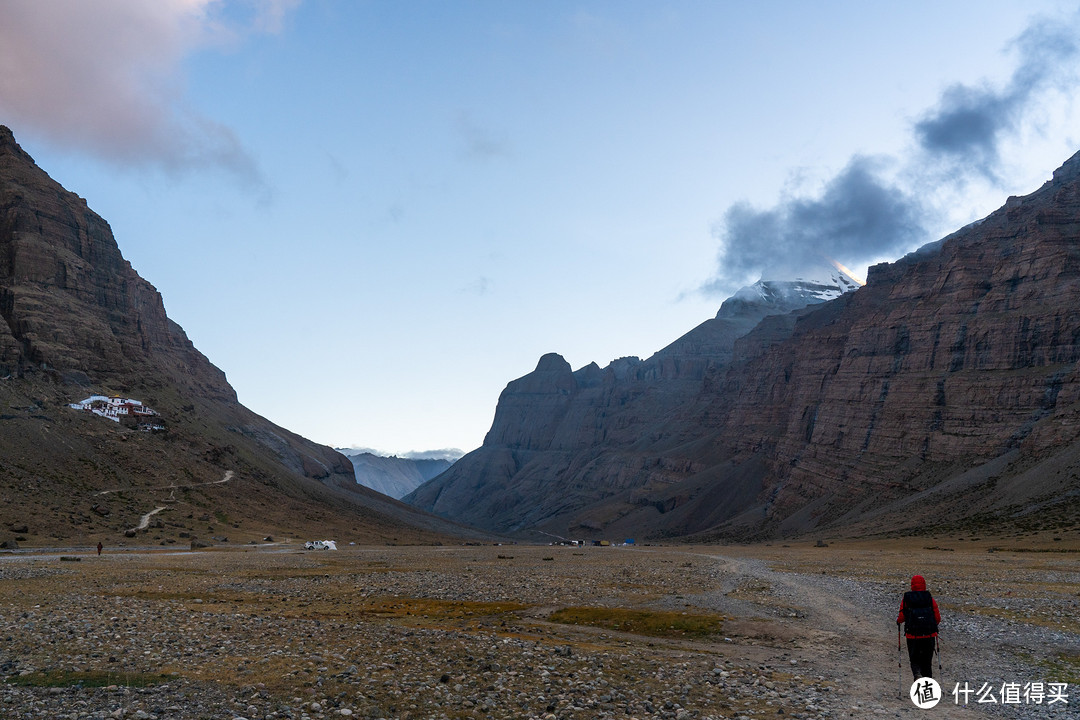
92 678
1064 668
655 623
1071 624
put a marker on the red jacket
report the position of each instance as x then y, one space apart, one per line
918 584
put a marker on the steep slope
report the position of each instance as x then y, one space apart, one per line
76 320
564 441
393 476
953 357
944 393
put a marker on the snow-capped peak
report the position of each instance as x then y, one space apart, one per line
788 295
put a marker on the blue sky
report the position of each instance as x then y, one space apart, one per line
374 215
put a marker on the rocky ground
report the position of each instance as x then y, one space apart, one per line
468 632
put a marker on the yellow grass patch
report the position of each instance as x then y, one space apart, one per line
1072 624
655 623
322 606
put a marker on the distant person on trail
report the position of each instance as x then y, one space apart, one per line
920 617
99 548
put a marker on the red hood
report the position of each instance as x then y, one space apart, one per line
918 583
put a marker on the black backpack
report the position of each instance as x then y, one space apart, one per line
919 618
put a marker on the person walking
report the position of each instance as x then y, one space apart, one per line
920 617
99 548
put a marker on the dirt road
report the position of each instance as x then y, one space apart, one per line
1009 620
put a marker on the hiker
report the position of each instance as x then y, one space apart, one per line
99 548
920 617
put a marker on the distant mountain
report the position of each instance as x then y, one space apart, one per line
944 395
395 476
544 461
77 321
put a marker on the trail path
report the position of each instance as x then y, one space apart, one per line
228 476
144 522
845 630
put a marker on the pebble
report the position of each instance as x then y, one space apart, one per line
256 624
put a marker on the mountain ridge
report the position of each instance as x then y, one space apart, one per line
555 416
955 366
76 320
394 476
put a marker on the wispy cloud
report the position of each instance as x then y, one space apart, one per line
106 78
479 287
967 127
451 454
478 142
878 207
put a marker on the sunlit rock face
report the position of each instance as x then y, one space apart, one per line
952 373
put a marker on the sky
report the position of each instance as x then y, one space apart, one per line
374 214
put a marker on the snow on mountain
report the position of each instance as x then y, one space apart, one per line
787 295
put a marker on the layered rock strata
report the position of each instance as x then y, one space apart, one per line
76 319
951 377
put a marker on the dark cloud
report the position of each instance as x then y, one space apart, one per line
859 216
967 127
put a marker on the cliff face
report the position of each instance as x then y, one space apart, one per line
69 302
76 320
952 377
948 358
565 445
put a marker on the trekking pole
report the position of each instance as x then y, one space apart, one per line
899 666
937 649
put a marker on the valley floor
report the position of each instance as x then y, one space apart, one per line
485 632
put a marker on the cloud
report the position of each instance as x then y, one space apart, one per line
858 216
105 78
451 454
477 142
480 287
967 127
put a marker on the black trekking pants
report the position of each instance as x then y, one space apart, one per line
921 653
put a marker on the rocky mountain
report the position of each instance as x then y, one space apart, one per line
554 423
942 395
76 321
394 476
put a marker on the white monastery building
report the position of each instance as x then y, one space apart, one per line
114 408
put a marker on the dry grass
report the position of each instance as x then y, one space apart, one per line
338 603
1064 668
365 618
654 623
1069 624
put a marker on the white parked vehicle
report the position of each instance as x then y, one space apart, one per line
320 545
